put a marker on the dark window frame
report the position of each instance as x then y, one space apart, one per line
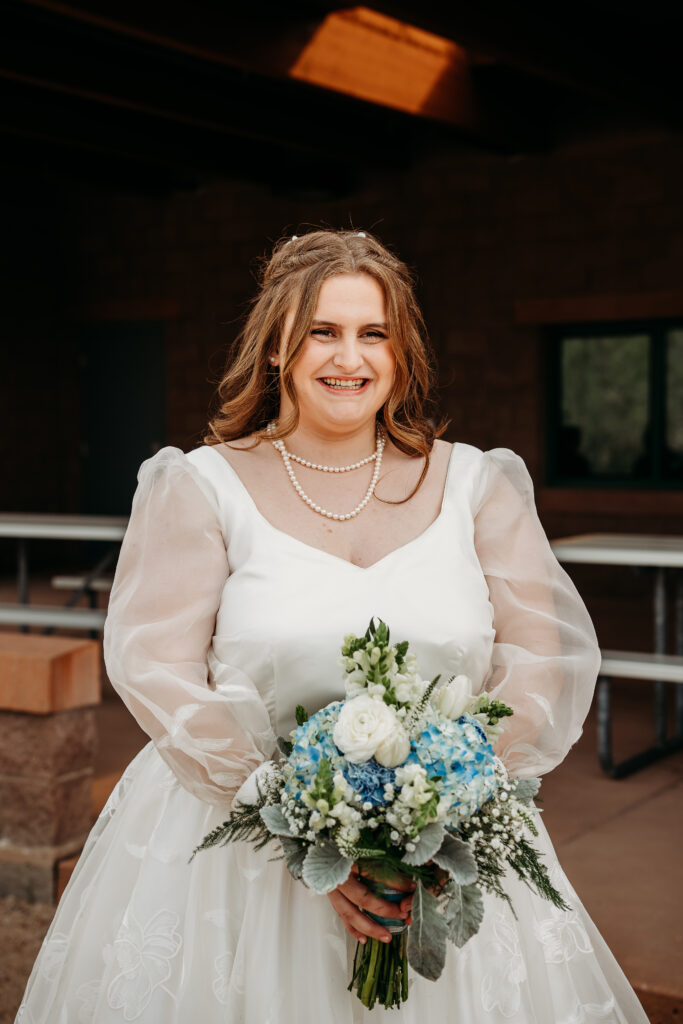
657 329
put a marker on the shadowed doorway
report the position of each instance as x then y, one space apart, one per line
122 368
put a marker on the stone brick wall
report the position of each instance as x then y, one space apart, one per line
48 686
484 231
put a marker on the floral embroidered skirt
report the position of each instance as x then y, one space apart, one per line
141 935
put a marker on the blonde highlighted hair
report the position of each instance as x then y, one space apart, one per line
248 395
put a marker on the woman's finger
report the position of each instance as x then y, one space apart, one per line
356 923
366 900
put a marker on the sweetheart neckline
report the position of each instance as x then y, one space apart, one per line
328 554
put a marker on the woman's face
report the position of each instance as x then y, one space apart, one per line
345 368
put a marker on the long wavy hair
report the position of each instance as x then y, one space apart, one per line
248 396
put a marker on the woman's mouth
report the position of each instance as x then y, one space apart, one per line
348 384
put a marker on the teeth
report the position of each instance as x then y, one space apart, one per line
349 385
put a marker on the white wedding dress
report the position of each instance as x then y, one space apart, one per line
219 624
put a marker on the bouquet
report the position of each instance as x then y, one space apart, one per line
401 779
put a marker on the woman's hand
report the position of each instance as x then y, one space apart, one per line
353 897
442 877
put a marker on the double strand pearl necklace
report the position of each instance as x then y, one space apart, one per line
288 456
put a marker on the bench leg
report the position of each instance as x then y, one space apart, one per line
22 574
637 761
604 696
660 648
86 589
679 650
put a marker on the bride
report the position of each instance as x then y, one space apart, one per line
321 497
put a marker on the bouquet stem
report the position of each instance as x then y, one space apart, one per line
380 969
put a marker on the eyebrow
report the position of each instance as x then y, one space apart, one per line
330 323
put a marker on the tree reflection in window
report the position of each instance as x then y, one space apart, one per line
616 408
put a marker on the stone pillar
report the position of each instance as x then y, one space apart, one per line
48 686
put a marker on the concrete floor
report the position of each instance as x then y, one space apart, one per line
619 842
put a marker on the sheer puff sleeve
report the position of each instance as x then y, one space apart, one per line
545 656
157 636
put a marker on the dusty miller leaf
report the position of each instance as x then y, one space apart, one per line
295 855
456 857
526 789
431 838
275 820
427 935
325 868
464 913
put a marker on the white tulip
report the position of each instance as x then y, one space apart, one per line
454 699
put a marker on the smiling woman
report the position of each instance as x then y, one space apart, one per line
238 577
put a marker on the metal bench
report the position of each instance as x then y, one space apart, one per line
84 585
52 616
657 668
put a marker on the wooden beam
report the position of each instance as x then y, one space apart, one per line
73 85
356 52
608 51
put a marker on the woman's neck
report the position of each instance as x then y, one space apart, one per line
332 448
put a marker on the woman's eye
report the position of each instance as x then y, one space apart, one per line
326 333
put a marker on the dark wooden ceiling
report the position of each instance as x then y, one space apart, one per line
163 95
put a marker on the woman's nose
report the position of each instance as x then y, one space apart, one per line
348 356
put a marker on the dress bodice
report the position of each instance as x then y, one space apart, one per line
286 605
219 623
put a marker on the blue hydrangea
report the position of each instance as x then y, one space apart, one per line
458 756
312 742
369 779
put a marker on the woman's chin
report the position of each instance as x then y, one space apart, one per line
341 417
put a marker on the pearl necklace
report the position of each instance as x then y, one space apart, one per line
376 455
331 469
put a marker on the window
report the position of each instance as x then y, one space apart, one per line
616 405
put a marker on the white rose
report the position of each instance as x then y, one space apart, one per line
394 749
453 700
363 724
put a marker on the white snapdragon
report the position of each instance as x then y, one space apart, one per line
407 773
342 788
362 660
409 689
492 731
355 687
415 788
316 821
